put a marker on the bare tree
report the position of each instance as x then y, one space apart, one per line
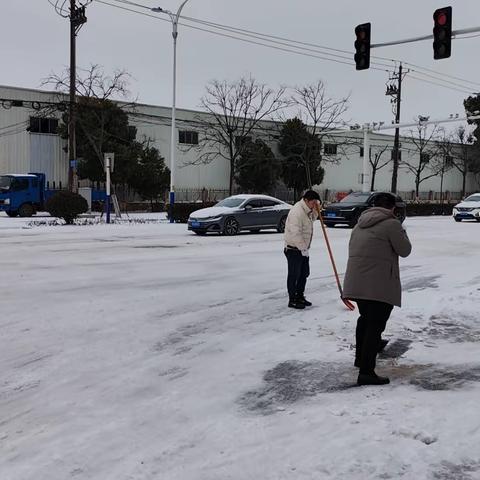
376 163
461 154
235 113
322 114
92 82
425 149
443 161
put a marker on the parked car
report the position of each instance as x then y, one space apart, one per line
240 212
349 209
468 209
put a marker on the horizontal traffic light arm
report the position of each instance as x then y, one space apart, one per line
424 37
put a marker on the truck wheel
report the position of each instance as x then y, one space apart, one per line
26 210
12 213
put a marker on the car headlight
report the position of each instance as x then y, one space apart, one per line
208 219
6 201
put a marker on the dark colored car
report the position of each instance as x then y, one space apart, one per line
240 212
349 209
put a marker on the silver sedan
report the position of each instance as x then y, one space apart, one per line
240 212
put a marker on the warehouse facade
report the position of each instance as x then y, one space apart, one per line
29 142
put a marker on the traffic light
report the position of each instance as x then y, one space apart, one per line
362 46
442 33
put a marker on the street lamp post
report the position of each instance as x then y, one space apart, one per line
174 17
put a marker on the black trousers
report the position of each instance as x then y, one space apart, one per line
370 325
298 272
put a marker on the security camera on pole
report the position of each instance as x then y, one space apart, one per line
109 162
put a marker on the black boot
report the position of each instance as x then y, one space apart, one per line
294 302
371 379
301 298
383 344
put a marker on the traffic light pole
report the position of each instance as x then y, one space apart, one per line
366 158
424 37
72 154
396 145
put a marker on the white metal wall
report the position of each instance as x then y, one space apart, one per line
22 152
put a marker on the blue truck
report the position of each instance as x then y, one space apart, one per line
23 195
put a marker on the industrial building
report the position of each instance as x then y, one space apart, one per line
29 142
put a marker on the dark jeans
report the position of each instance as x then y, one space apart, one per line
298 272
370 325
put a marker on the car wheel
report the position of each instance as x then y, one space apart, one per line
477 219
231 227
12 213
457 219
281 224
26 210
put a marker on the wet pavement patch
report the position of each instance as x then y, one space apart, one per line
396 348
421 283
292 381
456 327
469 470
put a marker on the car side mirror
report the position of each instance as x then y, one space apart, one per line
248 207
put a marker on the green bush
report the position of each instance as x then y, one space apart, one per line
181 211
67 205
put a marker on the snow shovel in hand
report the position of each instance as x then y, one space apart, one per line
347 302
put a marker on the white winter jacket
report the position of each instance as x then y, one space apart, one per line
299 226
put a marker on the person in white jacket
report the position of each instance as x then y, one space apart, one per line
298 238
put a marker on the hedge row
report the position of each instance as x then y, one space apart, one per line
182 211
426 209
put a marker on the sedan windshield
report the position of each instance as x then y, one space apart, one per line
356 198
5 183
230 202
473 198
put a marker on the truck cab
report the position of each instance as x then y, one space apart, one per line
22 194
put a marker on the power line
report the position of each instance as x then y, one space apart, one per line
290 44
302 53
440 74
440 85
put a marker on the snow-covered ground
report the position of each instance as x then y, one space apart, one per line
141 351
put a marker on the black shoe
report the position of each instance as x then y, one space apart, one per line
372 379
383 344
294 303
302 299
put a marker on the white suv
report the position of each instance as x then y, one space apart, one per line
469 209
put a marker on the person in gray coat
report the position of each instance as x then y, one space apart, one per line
372 280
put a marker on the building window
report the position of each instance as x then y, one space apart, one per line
43 125
330 149
188 137
399 155
361 151
424 157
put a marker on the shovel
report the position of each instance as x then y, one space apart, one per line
347 302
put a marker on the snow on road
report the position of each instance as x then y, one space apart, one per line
141 351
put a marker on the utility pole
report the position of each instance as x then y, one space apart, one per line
396 92
77 19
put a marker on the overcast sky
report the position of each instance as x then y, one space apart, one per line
35 42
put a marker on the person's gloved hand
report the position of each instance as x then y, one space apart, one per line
305 253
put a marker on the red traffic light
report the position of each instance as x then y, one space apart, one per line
442 33
441 19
